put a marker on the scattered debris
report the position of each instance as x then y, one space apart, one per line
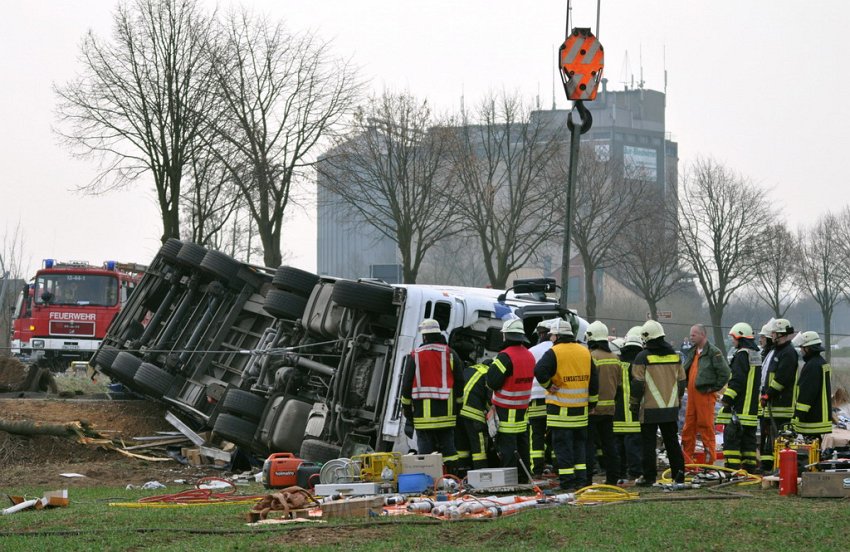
51 499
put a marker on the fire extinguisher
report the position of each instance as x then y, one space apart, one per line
788 471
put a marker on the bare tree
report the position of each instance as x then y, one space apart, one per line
12 266
607 192
821 272
392 172
775 282
137 105
719 214
503 161
282 94
647 256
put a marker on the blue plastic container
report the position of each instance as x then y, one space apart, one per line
414 483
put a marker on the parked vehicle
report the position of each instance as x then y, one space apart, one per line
62 314
286 361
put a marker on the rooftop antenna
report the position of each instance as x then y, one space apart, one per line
664 57
640 61
625 71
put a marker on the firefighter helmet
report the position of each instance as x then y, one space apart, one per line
767 329
597 331
808 339
514 330
562 327
652 330
632 341
741 329
429 326
635 331
782 327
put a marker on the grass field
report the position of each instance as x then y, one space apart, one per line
765 521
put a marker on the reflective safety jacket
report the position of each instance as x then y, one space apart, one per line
780 380
742 392
813 397
433 371
659 383
571 379
510 377
624 421
610 378
476 396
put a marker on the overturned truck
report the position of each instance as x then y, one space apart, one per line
287 361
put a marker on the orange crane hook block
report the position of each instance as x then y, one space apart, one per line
581 59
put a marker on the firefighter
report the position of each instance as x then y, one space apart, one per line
431 388
510 378
707 373
813 390
778 393
657 388
537 435
766 433
627 427
741 401
472 434
568 374
601 420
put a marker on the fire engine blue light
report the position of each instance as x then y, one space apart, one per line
110 265
48 263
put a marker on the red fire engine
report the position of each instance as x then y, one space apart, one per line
63 313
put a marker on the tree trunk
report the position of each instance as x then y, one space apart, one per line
716 324
827 333
653 308
271 246
589 293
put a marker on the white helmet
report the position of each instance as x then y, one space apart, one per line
597 331
767 329
429 326
807 339
652 330
514 330
741 329
616 344
561 327
636 331
782 327
632 340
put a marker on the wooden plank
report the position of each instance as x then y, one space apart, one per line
184 429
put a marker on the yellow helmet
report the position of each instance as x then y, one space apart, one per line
741 329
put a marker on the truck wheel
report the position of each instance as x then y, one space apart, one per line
364 296
221 265
170 249
124 367
243 403
191 255
283 304
295 280
234 429
153 380
314 450
104 358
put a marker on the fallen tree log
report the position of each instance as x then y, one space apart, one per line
30 427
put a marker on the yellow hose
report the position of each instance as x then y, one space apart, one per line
752 479
603 493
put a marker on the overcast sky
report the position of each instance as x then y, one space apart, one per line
759 85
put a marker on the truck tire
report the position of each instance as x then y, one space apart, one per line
223 266
295 280
234 429
191 255
314 450
104 358
124 368
170 249
153 380
244 404
364 296
283 304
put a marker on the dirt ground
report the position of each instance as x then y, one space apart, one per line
39 460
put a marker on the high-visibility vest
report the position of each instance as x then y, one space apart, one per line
516 391
572 376
628 424
433 378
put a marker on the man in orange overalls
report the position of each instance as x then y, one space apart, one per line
707 373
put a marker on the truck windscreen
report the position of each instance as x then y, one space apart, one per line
76 289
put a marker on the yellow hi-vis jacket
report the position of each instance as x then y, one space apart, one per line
571 380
